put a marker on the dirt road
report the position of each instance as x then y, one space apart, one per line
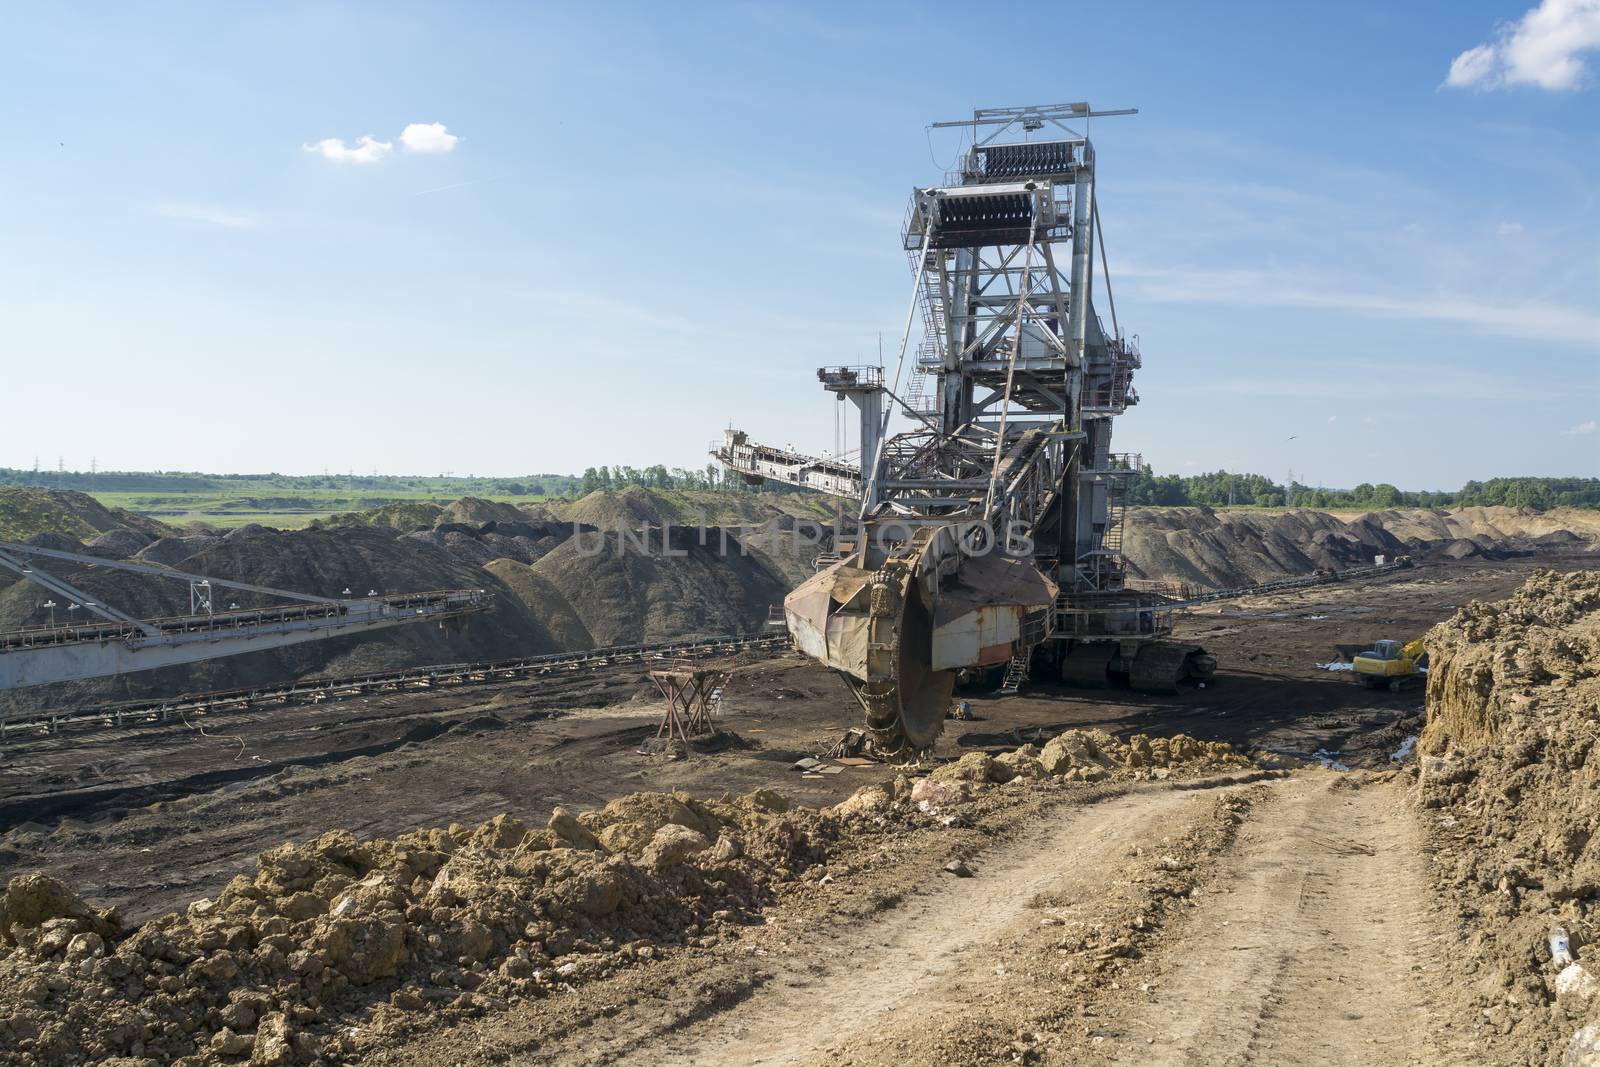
1309 940
1317 952
1302 936
855 978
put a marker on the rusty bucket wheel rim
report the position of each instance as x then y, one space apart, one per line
905 699
922 694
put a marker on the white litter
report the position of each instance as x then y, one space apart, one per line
1560 946
1329 760
1404 750
1336 665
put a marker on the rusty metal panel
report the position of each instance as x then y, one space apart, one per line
847 644
969 639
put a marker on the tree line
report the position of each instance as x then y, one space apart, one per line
1224 488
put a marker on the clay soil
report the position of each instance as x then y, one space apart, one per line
1304 915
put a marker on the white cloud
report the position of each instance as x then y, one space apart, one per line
1333 418
367 150
213 216
1529 320
428 137
1587 427
1508 229
1544 48
1448 382
1471 67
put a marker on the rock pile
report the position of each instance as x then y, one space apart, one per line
1511 770
443 920
1073 756
329 945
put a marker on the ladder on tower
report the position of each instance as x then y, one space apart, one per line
934 323
1116 514
921 395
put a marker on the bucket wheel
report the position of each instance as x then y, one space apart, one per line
905 699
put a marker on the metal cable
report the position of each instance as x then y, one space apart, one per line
201 730
899 363
1024 299
1105 270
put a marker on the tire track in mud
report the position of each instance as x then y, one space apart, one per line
843 981
1317 952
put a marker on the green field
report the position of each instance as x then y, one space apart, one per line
285 510
284 501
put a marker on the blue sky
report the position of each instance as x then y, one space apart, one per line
657 219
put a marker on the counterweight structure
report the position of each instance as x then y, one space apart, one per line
991 530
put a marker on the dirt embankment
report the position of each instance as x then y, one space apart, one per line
570 575
1511 774
559 584
26 511
337 947
1228 549
322 562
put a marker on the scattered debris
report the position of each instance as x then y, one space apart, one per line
851 746
1330 760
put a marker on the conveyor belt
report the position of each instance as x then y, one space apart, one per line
317 690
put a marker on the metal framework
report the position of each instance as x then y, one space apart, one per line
1015 378
694 694
122 643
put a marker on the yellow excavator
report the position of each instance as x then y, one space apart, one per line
1389 664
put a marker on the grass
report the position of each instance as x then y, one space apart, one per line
282 500
288 508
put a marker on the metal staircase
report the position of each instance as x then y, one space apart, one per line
922 394
1016 674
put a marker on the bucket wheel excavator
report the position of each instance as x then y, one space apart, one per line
987 536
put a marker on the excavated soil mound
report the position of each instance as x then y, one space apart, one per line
403 515
335 944
545 601
628 588
472 510
1511 768
172 551
324 562
631 509
553 593
636 507
1229 549
26 511
119 544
